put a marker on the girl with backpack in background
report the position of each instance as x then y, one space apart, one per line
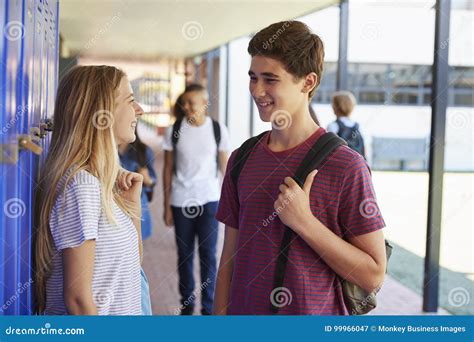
138 157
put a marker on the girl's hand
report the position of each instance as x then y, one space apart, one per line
130 186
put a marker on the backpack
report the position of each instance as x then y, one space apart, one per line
356 299
352 136
176 134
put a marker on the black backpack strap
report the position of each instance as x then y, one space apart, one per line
314 159
174 140
217 135
242 155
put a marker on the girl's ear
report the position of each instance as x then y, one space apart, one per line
310 82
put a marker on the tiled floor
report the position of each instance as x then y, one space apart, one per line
160 261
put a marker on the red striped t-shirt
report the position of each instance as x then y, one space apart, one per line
342 198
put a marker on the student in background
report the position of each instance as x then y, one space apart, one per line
343 103
196 150
138 157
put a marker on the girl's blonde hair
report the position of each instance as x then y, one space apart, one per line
343 102
82 139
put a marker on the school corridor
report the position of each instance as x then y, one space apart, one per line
412 86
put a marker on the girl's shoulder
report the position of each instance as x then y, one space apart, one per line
77 180
82 177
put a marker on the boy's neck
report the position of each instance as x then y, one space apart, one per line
301 128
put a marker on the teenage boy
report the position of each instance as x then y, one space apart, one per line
334 216
196 149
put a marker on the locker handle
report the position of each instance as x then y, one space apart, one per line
26 143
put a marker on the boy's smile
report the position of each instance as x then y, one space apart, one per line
273 88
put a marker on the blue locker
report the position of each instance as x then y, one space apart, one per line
28 74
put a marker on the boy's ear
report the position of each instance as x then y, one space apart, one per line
310 82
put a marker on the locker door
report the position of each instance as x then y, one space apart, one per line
28 73
13 206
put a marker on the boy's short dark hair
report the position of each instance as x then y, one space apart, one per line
294 45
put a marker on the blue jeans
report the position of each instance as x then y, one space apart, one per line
201 222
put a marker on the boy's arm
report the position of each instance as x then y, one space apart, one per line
167 176
223 158
224 274
362 260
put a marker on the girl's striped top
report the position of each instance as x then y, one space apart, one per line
77 216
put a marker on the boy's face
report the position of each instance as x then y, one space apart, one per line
274 89
195 104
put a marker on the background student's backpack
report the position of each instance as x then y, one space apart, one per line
357 300
352 136
177 133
